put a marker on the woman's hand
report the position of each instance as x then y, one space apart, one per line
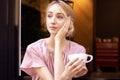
73 68
63 31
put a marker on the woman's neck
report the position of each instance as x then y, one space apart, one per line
51 42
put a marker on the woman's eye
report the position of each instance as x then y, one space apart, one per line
60 17
49 16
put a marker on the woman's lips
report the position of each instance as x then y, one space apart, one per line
53 28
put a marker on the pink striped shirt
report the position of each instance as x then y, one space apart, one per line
38 55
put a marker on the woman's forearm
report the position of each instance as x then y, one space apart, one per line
58 62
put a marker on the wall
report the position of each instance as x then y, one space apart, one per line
107 21
84 23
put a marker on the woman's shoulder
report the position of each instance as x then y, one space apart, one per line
37 43
76 46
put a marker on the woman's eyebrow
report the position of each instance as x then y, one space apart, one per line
49 12
57 13
60 14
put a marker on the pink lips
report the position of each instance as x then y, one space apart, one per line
53 28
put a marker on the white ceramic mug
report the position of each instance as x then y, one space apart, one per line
81 56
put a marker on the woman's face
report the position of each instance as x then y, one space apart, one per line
55 19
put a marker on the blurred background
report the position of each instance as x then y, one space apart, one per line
97 28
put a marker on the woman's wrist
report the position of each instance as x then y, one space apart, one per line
58 47
64 78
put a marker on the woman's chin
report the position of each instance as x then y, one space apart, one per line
52 33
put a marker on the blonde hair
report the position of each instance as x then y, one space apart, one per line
69 11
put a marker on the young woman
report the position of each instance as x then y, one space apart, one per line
47 59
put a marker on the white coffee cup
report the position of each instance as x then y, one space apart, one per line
86 57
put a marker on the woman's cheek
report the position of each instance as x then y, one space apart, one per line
61 24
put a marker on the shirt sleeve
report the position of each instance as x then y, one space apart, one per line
31 60
76 48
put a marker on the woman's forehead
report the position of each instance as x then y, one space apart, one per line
57 9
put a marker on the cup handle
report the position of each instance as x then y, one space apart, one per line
91 58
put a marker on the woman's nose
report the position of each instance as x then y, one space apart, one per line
53 20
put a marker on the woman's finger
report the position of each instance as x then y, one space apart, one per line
72 62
